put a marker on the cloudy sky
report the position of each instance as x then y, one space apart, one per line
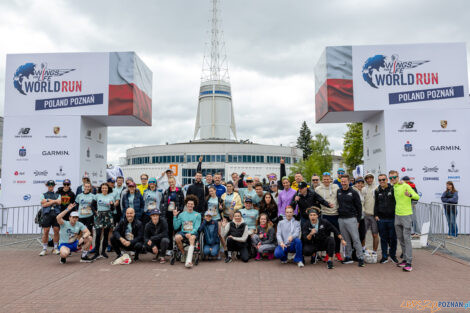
272 47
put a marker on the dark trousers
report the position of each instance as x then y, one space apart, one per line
169 220
242 247
99 231
328 245
162 245
333 219
388 237
117 246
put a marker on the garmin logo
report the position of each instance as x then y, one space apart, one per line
444 148
55 152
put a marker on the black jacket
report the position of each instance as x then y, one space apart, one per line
200 191
66 197
279 182
325 228
271 211
156 232
166 201
349 204
385 202
310 199
235 231
137 230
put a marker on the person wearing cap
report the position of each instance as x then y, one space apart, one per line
67 196
369 203
231 201
133 199
236 235
329 191
73 235
128 234
50 207
103 218
306 198
250 215
316 236
286 195
274 190
156 239
210 230
272 178
350 214
288 233
340 172
144 179
80 189
164 180
249 191
152 198
200 191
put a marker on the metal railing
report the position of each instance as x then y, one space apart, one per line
446 225
17 225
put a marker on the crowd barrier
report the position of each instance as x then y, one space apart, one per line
449 224
17 224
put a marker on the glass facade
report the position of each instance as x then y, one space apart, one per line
189 173
220 158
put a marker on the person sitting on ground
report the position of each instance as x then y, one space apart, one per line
316 237
128 235
156 236
288 232
236 234
210 229
250 215
264 238
189 221
73 236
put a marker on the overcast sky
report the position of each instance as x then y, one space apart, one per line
272 47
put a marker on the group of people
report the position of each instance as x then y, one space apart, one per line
243 218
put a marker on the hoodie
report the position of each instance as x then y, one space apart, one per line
403 206
369 197
329 194
156 232
349 204
287 228
384 203
210 231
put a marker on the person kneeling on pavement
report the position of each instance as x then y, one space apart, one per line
73 236
210 229
156 236
288 232
264 238
189 221
236 233
316 237
128 235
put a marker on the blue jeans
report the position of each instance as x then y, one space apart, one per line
294 246
451 216
388 237
214 252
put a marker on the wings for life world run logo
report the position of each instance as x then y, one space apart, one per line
40 78
381 70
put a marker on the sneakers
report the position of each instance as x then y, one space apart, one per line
284 262
228 259
104 255
313 259
258 256
329 265
96 256
108 248
183 258
326 258
43 252
338 257
360 263
86 259
402 264
155 259
55 251
347 260
394 259
383 260
300 264
63 260
270 255
407 267
168 252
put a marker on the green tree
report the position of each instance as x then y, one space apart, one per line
319 161
303 141
353 149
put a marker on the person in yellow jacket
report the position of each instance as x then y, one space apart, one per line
231 202
144 178
298 178
403 217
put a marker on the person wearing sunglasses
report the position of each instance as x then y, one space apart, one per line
315 181
67 196
384 213
403 217
340 172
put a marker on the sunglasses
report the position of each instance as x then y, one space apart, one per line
383 179
315 180
66 184
340 173
393 177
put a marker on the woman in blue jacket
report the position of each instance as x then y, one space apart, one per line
133 199
210 229
451 197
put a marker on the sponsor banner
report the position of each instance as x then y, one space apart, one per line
426 95
68 102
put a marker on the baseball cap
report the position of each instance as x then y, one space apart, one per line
50 183
155 212
369 175
66 181
249 200
326 174
74 214
341 170
359 179
85 175
208 213
131 184
406 178
111 180
169 170
303 185
152 180
249 178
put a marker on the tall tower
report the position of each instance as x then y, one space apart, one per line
215 118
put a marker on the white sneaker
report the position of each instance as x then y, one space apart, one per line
168 252
300 264
283 262
183 258
43 252
55 251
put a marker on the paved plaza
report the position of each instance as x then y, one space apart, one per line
40 284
